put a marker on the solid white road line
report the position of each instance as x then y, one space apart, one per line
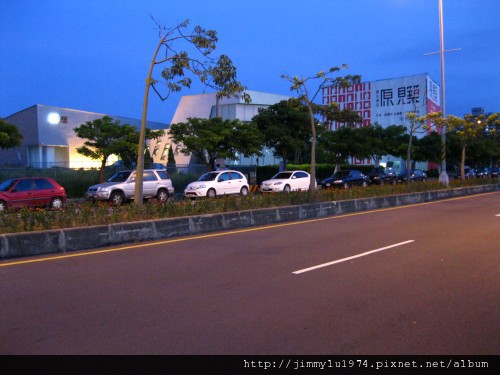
353 257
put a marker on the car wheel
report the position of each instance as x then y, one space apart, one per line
162 196
365 184
346 185
56 203
244 191
286 189
3 206
211 193
117 198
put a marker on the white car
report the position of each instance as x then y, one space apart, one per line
287 181
215 183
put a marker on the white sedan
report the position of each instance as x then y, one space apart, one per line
287 181
216 183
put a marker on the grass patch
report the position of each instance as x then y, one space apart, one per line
102 213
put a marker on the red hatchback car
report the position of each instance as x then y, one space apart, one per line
31 192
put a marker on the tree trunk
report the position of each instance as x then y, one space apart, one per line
408 160
312 182
101 171
462 165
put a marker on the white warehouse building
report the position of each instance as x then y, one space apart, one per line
49 139
205 106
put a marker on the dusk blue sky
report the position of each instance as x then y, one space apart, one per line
94 55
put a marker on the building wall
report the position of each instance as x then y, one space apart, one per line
386 101
204 106
49 137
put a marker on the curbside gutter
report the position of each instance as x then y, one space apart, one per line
17 245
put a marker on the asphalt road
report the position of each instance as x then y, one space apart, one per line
420 279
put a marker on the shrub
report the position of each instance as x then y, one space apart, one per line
102 213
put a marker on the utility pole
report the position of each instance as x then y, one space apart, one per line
443 175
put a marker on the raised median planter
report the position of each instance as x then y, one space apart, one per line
17 245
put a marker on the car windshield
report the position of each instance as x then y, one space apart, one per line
378 170
6 185
210 176
120 177
282 176
341 174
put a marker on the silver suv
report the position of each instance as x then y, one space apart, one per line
121 187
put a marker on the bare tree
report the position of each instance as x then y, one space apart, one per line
187 53
300 85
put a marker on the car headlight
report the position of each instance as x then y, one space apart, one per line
199 187
103 189
337 181
278 183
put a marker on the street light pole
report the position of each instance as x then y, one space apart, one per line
443 176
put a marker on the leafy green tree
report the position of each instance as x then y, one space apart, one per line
467 130
371 142
347 142
9 135
491 146
187 54
348 117
395 140
129 154
215 138
105 137
428 148
285 128
340 143
301 86
416 124
171 157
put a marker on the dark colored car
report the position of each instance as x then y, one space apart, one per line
379 176
495 171
346 179
31 192
415 175
483 172
468 173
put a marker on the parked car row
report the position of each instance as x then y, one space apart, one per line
120 188
378 176
483 172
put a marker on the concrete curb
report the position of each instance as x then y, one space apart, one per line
19 245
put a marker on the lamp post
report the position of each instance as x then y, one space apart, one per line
443 176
